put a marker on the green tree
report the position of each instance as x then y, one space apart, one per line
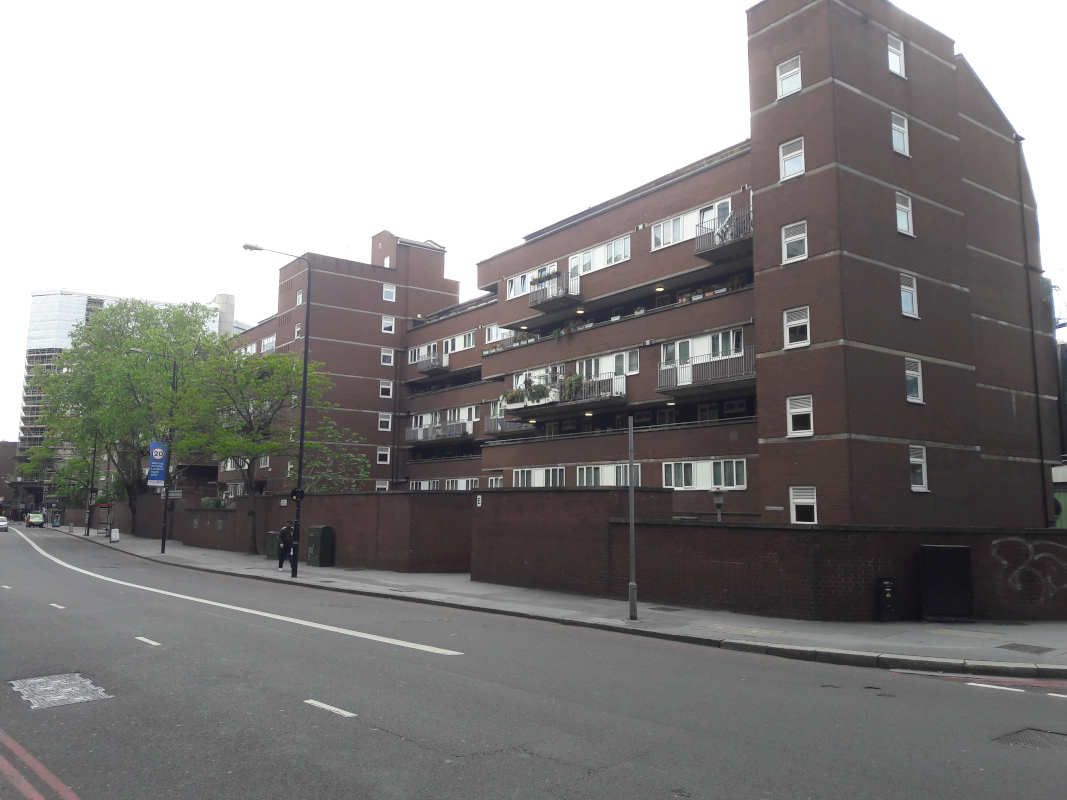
332 462
113 386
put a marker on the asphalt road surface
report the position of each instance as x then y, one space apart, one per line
222 687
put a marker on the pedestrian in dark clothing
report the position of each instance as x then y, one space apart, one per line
285 545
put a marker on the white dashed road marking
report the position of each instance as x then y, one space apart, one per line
993 686
425 648
332 709
1053 694
4 586
57 605
146 641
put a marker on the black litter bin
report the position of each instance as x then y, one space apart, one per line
272 545
320 549
886 599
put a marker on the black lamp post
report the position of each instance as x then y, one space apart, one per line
169 440
297 494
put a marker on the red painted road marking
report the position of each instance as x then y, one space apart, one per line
15 778
22 754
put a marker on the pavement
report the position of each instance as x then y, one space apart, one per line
1017 649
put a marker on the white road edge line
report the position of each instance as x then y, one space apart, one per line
992 686
425 648
332 709
1053 694
4 586
146 641
57 605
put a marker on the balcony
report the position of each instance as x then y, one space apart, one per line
723 241
556 292
442 432
433 365
562 395
706 371
497 426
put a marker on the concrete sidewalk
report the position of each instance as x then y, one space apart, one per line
1031 649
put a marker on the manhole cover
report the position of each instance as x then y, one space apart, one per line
1035 739
663 608
1033 649
50 691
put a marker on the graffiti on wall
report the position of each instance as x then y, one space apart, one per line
1040 562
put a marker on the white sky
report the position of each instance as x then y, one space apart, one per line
143 143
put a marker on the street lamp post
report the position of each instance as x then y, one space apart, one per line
298 492
169 440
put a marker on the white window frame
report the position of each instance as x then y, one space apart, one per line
496 481
387 418
803 496
268 343
917 456
385 389
389 292
672 470
264 462
795 237
522 478
895 48
387 356
621 474
588 476
737 466
913 367
904 206
298 331
796 318
388 324
898 126
451 484
383 453
784 75
290 468
381 486
300 297
799 405
554 477
784 159
387 262
683 227
909 285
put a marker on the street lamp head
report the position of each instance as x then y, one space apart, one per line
252 247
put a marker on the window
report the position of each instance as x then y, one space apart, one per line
622 474
678 474
290 469
726 343
389 292
904 223
899 126
796 331
913 380
666 416
494 333
791 159
249 349
383 455
385 422
728 474
451 484
381 486
589 476
264 462
909 295
387 356
473 483
386 262
896 55
789 77
463 341
496 481
229 465
555 477
388 324
707 412
298 331
683 227
794 242
617 250
522 478
300 297
675 352
800 415
917 465
266 344
802 505
385 388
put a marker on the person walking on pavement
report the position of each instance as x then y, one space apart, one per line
285 545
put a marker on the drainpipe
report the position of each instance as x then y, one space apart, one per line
1033 332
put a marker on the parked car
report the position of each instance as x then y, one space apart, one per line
35 520
3 523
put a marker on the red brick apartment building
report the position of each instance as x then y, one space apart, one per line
841 320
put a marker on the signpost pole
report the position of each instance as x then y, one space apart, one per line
632 588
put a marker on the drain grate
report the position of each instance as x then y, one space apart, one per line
50 691
1033 649
1035 739
663 608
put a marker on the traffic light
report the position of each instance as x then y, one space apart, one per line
297 495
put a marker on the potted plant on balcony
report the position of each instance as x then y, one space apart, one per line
513 396
572 386
536 392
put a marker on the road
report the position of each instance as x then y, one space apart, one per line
417 701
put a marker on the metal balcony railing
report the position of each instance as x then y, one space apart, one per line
602 387
445 430
432 364
496 426
706 370
714 236
557 289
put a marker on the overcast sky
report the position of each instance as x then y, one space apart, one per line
144 142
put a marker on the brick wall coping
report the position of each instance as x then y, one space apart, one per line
774 528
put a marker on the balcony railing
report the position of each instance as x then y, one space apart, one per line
717 240
707 370
432 365
602 387
556 291
498 426
442 431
